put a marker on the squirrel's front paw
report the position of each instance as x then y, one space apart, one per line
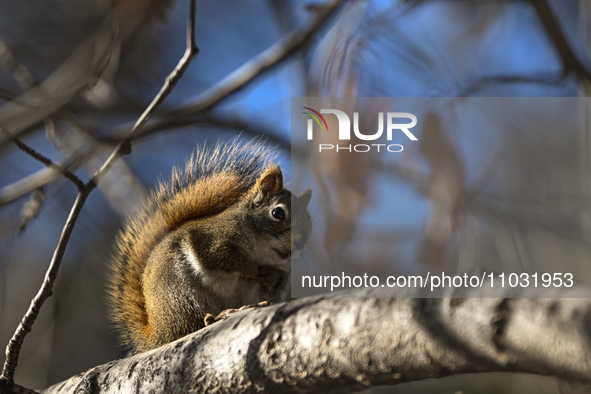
272 279
209 319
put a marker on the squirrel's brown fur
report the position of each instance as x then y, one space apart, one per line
212 180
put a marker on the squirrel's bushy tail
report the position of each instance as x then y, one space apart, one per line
213 179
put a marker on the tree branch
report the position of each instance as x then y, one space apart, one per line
36 180
14 346
265 61
46 290
26 81
221 121
40 158
238 80
241 78
124 146
541 79
329 344
244 75
570 61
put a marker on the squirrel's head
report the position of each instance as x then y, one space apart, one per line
281 222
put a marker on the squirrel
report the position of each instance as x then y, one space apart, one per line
218 236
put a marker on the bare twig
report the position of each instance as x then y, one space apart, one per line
543 79
44 176
39 157
118 182
36 180
268 59
242 77
46 290
124 146
14 346
208 119
236 81
26 81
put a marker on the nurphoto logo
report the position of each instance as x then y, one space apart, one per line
344 130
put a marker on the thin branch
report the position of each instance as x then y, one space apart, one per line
37 179
46 290
44 176
97 153
34 181
39 157
236 81
240 78
15 344
267 60
222 121
124 146
570 61
26 81
543 79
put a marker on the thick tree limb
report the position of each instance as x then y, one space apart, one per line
330 344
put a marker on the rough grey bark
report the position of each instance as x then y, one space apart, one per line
332 344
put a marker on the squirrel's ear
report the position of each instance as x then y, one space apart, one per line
306 196
271 181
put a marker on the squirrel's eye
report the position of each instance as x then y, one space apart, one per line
278 213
